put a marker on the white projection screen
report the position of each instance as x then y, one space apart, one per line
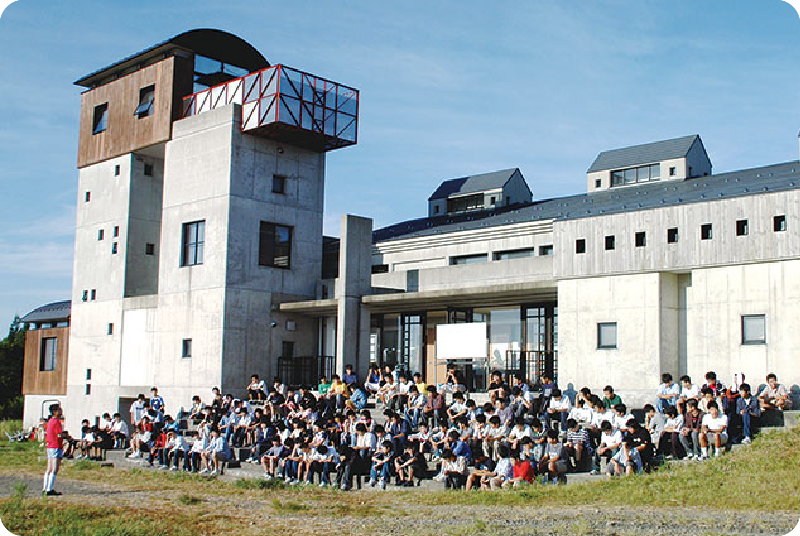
461 341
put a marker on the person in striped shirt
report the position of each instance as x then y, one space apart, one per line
577 443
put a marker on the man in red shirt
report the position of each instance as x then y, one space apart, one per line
54 441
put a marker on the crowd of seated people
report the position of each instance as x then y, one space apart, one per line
520 435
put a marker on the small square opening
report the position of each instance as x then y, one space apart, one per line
580 246
706 231
640 239
779 223
742 228
278 184
672 235
610 242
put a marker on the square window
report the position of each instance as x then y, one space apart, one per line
610 242
193 243
186 348
116 231
278 184
147 96
148 170
706 231
116 170
275 245
100 234
109 331
598 183
742 228
754 329
545 250
640 239
48 354
580 246
114 248
606 335
672 235
100 119
88 196
779 224
149 249
85 295
672 171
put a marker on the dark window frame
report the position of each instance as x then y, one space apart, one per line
193 241
672 235
50 365
706 231
273 250
600 345
742 227
754 342
279 184
147 98
100 118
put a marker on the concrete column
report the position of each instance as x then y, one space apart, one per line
355 265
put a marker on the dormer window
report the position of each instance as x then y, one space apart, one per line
621 177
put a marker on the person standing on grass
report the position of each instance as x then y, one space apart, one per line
54 441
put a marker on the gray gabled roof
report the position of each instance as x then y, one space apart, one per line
59 310
473 184
647 153
754 181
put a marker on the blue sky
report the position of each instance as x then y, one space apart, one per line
447 89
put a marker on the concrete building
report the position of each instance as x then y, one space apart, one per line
200 259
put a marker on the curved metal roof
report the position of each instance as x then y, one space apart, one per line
59 310
216 44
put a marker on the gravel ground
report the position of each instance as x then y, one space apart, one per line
253 516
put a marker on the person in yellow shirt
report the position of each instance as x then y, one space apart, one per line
421 387
339 391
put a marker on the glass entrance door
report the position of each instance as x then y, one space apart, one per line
541 342
412 355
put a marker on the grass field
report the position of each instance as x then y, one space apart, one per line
161 503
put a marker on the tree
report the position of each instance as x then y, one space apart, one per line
12 355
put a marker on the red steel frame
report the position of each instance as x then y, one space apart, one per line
191 105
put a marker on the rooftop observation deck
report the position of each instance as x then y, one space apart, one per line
286 104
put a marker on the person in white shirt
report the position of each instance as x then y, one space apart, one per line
558 409
217 453
667 394
516 434
494 435
714 424
653 422
257 390
610 440
504 470
582 413
458 408
387 390
399 399
138 410
621 417
119 430
774 395
689 391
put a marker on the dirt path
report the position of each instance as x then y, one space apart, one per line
261 516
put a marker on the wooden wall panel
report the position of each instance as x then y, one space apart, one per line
35 381
125 131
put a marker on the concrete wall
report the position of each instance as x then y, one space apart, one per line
143 226
761 244
717 299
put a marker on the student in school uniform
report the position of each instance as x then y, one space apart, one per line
667 394
690 433
558 410
554 460
715 424
610 441
689 391
774 396
747 409
669 444
626 461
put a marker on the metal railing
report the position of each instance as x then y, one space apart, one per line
531 365
281 95
297 371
